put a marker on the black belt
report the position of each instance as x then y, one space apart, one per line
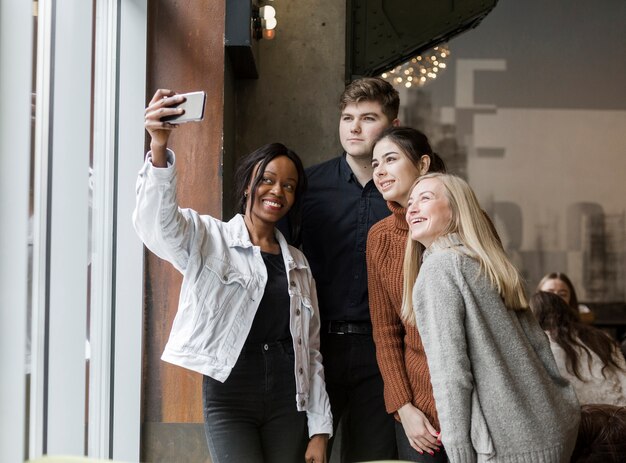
342 327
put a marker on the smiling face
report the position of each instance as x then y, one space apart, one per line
428 211
558 287
276 192
394 171
360 125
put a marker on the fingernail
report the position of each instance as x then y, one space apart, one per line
432 453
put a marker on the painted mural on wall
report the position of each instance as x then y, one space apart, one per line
532 112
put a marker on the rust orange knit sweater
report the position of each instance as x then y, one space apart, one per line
399 350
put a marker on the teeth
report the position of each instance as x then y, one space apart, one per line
272 203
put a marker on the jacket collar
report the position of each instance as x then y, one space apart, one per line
291 262
238 236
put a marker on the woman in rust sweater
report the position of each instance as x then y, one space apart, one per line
400 156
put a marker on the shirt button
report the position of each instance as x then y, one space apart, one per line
293 283
297 311
356 277
300 371
299 341
266 347
225 277
302 403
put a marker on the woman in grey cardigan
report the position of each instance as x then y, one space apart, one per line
498 391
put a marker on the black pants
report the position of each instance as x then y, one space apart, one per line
355 389
252 417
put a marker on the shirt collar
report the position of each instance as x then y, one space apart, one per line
344 168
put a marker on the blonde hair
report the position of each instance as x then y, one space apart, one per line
477 234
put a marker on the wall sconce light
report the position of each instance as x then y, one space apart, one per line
265 26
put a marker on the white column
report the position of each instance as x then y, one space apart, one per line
16 39
129 253
69 146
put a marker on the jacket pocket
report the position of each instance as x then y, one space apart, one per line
218 288
479 432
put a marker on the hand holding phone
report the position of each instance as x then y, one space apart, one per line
193 107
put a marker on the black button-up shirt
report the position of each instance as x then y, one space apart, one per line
336 217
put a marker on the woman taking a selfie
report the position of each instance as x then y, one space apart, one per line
400 156
498 391
247 317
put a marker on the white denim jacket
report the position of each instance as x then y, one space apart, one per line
224 278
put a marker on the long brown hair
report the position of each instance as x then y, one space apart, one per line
413 144
601 434
558 319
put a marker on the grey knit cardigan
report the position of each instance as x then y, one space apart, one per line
498 391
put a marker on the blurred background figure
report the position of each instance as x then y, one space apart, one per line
601 435
560 284
586 356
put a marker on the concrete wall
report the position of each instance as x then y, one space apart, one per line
302 69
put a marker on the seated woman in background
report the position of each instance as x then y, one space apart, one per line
560 284
497 389
586 356
400 156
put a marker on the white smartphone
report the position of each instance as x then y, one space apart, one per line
193 106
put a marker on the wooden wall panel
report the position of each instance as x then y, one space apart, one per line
185 53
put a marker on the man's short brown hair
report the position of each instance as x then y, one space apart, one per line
372 89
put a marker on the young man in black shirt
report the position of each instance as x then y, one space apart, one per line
339 207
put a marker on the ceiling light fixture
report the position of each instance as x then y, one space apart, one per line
419 70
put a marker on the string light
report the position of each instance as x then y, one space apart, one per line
419 70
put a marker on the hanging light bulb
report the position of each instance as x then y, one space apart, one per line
427 66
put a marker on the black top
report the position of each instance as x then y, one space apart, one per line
337 214
271 322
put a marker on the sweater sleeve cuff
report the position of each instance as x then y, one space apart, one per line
395 401
461 454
